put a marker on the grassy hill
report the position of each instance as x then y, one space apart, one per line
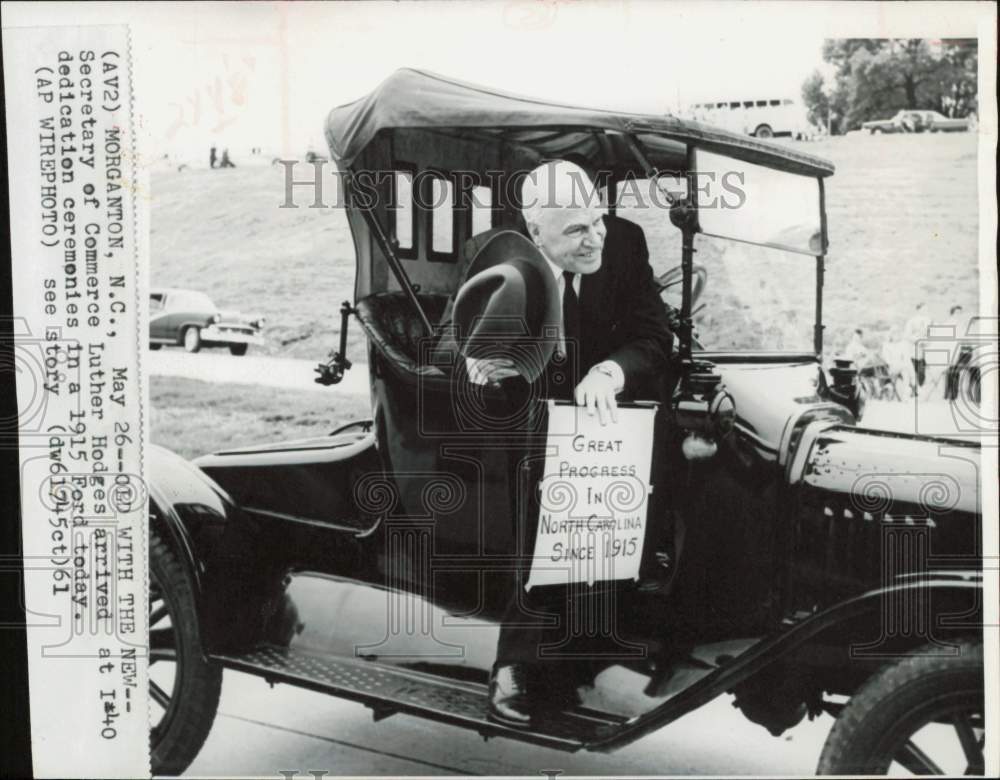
904 228
222 232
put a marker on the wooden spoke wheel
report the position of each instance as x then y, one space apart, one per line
922 715
183 686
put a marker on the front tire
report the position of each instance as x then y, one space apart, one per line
183 686
238 349
903 715
763 131
192 339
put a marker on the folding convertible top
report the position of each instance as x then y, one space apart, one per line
412 99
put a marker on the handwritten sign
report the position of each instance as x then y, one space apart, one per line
593 497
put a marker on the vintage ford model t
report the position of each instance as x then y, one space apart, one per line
815 564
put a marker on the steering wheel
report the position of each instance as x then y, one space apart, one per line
672 278
668 284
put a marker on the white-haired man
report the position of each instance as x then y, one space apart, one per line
615 339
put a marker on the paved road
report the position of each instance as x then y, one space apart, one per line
218 366
932 417
261 731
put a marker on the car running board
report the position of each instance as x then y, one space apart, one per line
389 690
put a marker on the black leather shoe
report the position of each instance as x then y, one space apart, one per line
509 701
655 587
659 580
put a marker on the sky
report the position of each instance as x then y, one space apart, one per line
613 54
266 74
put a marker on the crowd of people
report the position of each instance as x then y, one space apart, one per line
923 359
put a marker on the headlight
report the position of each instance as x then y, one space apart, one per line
704 409
216 318
845 388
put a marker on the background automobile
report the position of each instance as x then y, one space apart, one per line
190 319
759 117
908 121
314 154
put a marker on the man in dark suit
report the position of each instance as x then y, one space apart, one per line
614 339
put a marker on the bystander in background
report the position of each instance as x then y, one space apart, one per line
914 335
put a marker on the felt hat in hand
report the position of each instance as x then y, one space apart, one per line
509 305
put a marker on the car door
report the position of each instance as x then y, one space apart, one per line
158 328
177 312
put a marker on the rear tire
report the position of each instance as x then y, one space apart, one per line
192 339
189 707
155 347
877 726
238 349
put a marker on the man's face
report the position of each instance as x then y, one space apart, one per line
572 238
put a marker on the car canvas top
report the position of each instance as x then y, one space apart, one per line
418 99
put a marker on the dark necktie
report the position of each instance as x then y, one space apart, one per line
571 327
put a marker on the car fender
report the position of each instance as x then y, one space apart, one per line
790 646
837 650
188 509
927 608
200 323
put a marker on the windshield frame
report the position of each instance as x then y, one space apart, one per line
691 207
684 215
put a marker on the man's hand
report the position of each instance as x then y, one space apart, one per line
489 370
597 392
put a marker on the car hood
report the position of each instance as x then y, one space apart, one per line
231 315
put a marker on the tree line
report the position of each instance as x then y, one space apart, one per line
876 77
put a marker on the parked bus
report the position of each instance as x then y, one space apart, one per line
766 118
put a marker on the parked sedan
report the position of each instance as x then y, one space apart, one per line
907 121
189 318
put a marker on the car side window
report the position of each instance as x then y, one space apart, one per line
200 301
189 300
402 212
156 302
642 202
481 209
442 214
